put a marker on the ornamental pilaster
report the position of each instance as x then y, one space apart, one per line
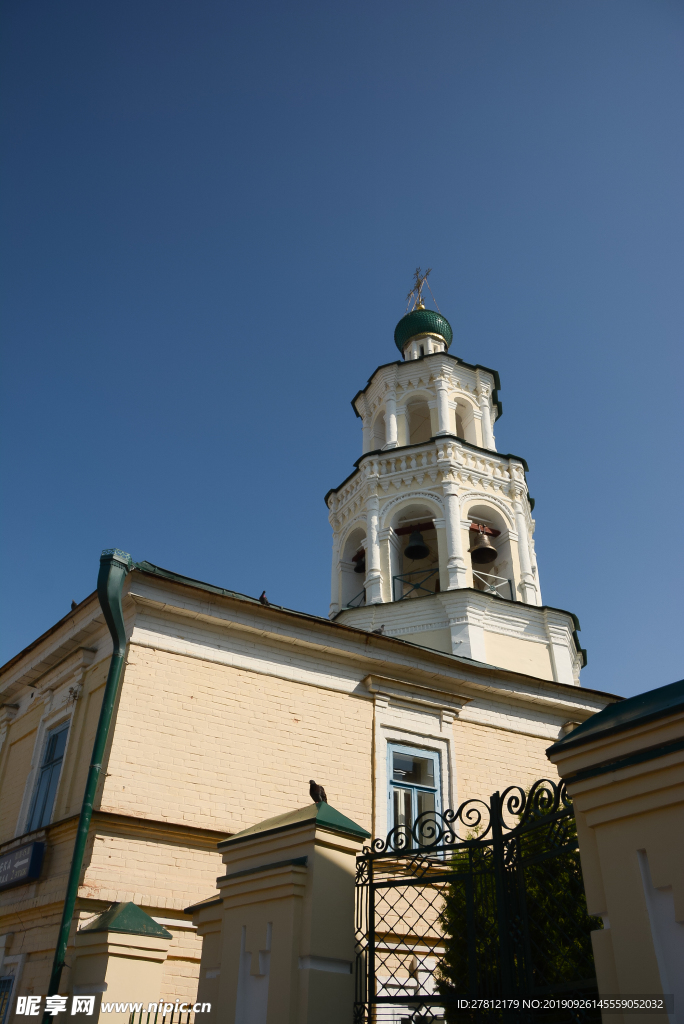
486 414
456 566
442 406
373 574
391 419
527 584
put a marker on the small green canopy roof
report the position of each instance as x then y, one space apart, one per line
645 707
127 917
322 814
422 321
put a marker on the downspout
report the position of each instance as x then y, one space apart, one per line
114 566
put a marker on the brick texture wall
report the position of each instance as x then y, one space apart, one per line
217 747
488 760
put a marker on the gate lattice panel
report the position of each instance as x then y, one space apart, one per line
485 902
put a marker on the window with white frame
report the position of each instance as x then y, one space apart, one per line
414 789
48 778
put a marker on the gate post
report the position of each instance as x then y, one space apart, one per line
280 932
624 770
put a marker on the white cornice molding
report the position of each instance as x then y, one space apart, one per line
87 630
386 689
493 683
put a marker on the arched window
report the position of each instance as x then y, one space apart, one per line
465 422
496 576
378 439
415 574
418 417
353 570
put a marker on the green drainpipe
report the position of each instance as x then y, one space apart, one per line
114 565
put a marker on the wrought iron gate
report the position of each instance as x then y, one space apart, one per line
482 903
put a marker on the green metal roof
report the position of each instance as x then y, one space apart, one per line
645 707
422 321
127 917
323 815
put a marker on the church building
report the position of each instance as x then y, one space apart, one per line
438 676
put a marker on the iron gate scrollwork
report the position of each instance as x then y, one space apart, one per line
485 902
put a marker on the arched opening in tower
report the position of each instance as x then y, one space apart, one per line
415 561
353 570
378 439
419 424
490 552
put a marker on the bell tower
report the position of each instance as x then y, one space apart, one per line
433 531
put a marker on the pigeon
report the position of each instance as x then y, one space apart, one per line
263 598
73 605
317 793
380 630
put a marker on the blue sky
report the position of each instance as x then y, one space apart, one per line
211 215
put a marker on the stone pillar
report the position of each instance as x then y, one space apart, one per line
624 769
390 420
119 958
456 567
279 939
443 407
527 585
487 433
367 428
373 574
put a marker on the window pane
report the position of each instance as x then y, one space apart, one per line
49 778
418 771
426 825
55 746
403 817
426 802
5 992
39 802
402 807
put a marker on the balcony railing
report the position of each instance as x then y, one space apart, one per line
416 583
358 601
497 585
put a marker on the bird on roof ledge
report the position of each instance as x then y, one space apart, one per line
317 793
263 599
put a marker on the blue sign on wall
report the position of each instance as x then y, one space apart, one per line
22 865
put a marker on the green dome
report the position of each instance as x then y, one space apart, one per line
422 321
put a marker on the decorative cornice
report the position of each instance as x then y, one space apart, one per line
386 689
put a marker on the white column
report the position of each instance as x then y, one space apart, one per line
529 590
456 567
487 434
373 574
442 407
391 420
367 427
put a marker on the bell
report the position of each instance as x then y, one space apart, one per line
416 547
482 551
360 561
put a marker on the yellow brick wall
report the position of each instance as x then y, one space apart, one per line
181 970
16 764
210 746
155 873
218 747
489 759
